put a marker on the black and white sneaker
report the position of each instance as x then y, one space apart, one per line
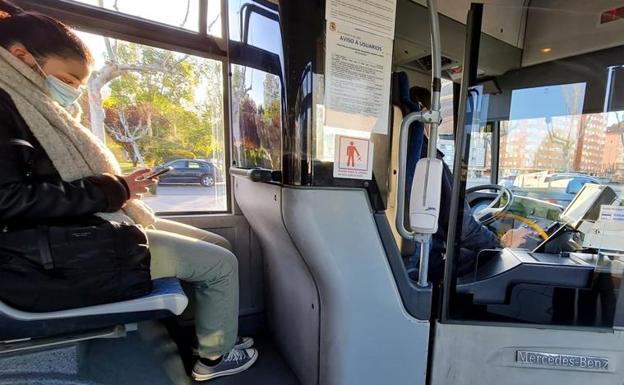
236 361
242 343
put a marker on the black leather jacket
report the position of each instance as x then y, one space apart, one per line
31 189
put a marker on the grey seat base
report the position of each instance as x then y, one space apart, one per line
166 299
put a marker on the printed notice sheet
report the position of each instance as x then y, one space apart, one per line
612 213
358 69
376 16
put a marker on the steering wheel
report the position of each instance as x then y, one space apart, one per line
491 213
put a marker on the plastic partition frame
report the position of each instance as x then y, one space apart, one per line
416 299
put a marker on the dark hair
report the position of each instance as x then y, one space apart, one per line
421 95
42 35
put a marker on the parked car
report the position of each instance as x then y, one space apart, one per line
187 171
557 188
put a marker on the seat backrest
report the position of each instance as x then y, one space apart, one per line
397 118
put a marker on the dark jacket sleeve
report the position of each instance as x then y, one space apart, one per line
476 236
31 197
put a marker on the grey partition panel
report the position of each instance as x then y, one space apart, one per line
367 337
466 354
291 297
237 230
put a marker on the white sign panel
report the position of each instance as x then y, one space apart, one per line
376 16
358 69
353 158
612 213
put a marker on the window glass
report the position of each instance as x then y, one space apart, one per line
480 164
256 118
181 13
153 106
256 91
446 136
263 30
550 157
194 165
214 18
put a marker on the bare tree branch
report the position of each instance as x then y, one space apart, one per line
129 136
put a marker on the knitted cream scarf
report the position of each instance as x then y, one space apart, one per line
74 150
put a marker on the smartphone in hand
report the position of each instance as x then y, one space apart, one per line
158 173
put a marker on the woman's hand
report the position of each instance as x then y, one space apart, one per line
137 184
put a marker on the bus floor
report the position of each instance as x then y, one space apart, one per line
270 369
155 354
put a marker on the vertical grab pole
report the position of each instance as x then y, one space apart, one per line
436 76
433 119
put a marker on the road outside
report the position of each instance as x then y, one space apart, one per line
185 198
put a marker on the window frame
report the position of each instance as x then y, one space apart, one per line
101 21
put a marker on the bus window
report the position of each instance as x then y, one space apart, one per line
185 15
154 107
256 86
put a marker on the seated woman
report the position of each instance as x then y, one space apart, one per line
68 173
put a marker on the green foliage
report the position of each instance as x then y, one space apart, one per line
176 97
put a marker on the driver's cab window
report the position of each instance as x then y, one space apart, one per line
542 243
550 149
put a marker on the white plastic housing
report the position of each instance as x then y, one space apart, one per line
424 206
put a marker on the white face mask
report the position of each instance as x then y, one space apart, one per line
64 94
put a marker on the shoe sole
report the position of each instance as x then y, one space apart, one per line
246 345
206 377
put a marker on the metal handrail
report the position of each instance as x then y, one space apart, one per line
433 118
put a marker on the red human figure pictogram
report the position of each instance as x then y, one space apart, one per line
351 153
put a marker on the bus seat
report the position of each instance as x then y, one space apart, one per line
416 138
393 180
166 299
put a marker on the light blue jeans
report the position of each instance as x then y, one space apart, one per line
205 260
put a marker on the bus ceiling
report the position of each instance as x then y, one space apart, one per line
514 35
